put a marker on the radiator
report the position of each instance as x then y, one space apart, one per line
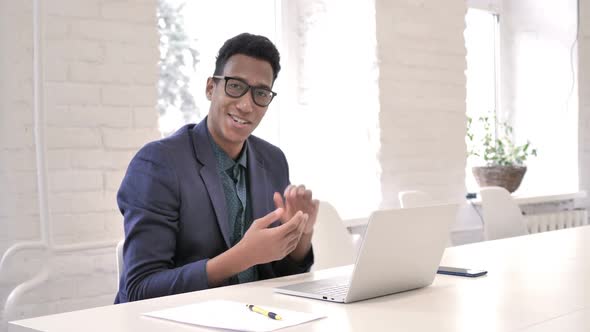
543 222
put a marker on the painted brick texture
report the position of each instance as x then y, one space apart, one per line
100 87
422 119
584 95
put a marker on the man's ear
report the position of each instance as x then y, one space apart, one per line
209 88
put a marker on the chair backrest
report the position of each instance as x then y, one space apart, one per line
332 243
502 216
417 198
414 198
119 259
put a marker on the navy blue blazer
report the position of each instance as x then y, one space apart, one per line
175 213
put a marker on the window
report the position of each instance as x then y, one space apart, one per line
481 42
307 107
538 85
205 26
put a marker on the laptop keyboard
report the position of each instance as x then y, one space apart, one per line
334 290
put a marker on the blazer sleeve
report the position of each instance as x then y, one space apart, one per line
287 266
149 200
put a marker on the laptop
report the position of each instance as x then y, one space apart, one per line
401 251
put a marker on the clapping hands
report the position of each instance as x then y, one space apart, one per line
294 199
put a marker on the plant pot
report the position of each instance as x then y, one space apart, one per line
508 177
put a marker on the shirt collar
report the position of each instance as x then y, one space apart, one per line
223 160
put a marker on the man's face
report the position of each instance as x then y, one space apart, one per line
232 120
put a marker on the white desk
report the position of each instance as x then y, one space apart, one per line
536 283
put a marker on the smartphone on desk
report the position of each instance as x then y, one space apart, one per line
457 271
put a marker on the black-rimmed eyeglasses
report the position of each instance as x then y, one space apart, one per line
236 88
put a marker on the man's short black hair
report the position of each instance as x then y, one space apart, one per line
258 47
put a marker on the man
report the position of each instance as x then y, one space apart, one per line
212 205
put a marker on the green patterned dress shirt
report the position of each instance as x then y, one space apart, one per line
233 177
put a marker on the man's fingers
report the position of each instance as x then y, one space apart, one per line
295 236
292 244
287 190
278 199
316 206
298 195
313 214
295 197
308 202
300 190
290 226
289 201
293 192
303 224
265 221
301 193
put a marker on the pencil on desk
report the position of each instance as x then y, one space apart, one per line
261 311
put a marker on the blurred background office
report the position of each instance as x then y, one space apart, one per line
380 89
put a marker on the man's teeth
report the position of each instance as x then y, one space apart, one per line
238 120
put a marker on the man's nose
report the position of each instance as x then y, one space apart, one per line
246 103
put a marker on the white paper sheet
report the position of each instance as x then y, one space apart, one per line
233 315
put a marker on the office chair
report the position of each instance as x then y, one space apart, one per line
332 243
417 198
502 216
414 198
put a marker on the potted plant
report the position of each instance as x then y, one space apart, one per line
504 160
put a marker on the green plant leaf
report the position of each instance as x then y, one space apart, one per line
496 150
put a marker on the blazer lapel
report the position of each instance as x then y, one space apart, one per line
259 193
210 177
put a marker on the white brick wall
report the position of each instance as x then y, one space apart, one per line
100 88
103 116
422 95
18 203
584 95
77 280
129 95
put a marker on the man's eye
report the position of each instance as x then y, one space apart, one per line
262 93
236 86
